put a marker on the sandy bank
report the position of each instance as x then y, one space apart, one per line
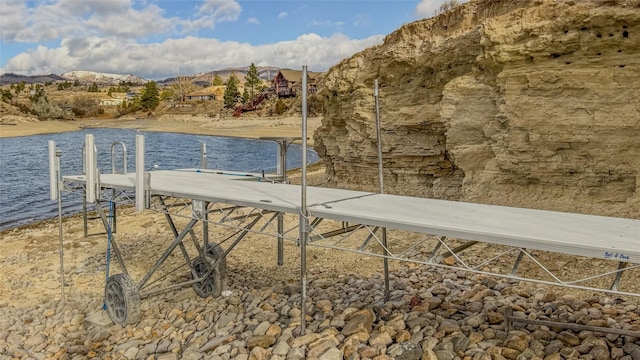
245 127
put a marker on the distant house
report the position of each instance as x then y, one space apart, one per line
287 82
111 102
204 94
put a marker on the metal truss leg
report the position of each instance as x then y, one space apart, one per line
517 263
114 243
366 241
85 221
280 239
616 281
205 228
456 250
386 265
177 241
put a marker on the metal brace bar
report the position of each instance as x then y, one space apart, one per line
114 243
434 253
174 230
371 235
517 263
509 319
168 251
456 250
616 282
336 232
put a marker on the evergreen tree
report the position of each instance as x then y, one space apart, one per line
252 81
94 88
217 81
20 87
231 93
38 94
245 95
150 96
6 95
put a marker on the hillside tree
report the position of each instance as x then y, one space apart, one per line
182 86
252 81
231 93
245 95
217 81
150 96
20 87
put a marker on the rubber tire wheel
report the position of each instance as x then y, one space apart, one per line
122 300
212 285
216 252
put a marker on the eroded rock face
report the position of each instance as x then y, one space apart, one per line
513 102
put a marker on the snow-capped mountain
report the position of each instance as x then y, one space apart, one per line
102 78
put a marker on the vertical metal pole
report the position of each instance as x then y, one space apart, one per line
90 159
203 150
304 232
60 234
140 174
85 220
381 182
205 228
280 239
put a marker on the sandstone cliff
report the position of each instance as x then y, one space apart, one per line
532 103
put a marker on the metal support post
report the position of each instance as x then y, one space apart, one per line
60 235
203 150
280 239
304 215
381 182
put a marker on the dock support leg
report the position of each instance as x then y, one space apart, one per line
205 221
280 239
517 263
168 251
85 221
303 273
616 281
386 265
116 249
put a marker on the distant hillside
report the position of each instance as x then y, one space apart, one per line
204 79
102 78
10 78
266 73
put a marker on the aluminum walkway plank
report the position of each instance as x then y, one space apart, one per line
575 234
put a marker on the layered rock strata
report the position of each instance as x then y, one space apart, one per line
513 102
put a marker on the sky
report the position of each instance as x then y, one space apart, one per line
159 39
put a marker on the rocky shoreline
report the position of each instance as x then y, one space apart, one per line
432 314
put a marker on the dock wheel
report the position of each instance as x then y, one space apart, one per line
216 252
216 281
122 300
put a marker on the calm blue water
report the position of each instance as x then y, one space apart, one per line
24 164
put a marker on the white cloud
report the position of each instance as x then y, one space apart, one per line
12 12
72 18
188 55
223 10
327 23
283 15
428 8
61 19
362 20
253 20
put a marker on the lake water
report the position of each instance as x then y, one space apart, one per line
24 164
